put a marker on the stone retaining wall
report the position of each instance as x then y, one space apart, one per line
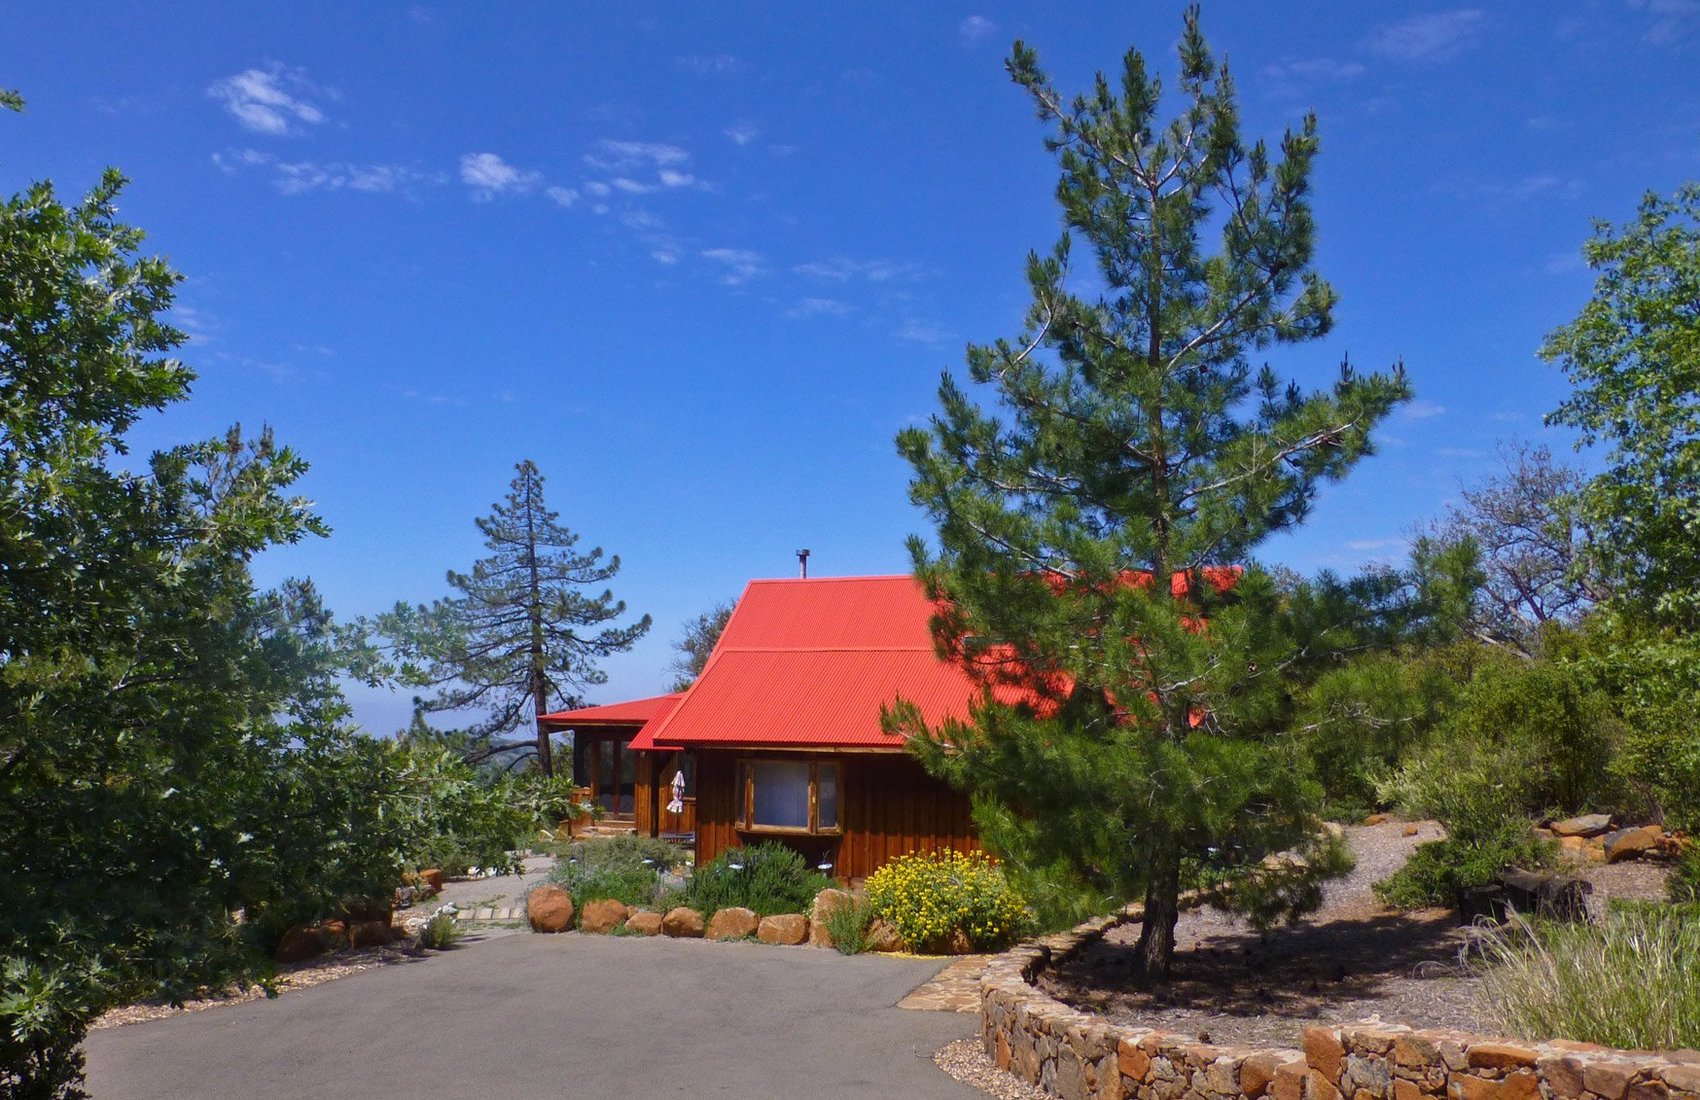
1079 1056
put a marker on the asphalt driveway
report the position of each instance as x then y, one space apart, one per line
525 1016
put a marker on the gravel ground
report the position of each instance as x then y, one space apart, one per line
966 1061
1350 960
499 891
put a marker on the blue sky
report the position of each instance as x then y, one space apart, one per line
701 262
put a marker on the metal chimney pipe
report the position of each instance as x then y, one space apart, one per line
803 564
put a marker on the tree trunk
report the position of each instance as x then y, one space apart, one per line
545 753
1156 948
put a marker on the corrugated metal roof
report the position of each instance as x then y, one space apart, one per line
630 712
809 663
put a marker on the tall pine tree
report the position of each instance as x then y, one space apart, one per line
1128 742
523 637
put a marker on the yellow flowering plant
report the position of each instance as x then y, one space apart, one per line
929 896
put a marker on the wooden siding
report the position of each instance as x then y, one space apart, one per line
889 806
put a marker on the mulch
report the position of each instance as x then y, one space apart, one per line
1352 960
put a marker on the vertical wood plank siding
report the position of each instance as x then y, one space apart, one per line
888 804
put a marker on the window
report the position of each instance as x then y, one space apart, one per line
788 796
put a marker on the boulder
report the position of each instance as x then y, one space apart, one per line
603 915
1585 825
1410 830
1632 843
786 928
334 931
882 936
432 877
549 909
1376 819
369 933
825 902
733 923
644 923
959 943
300 942
683 922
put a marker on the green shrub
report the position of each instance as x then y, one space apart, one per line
441 932
627 869
768 878
928 896
848 925
1632 980
1683 885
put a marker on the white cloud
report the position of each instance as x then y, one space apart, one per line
1313 69
815 307
921 332
742 133
488 175
625 156
633 187
841 270
705 64
1423 410
1564 263
1373 544
671 178
561 196
664 256
296 177
741 265
269 101
1460 452
1439 36
975 27
1672 21
598 188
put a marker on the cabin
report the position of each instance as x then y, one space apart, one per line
780 739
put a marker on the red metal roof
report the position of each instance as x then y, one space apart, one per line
633 712
809 664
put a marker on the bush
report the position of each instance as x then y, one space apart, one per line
847 924
929 896
1683 885
1631 981
441 932
768 878
625 868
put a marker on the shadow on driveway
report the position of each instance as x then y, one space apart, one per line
526 1016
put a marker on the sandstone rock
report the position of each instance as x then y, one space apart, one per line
369 933
1682 1078
1467 1086
1500 1056
1256 1072
1648 1090
1323 1051
1586 825
1376 819
826 902
1608 1079
959 943
299 942
432 877
1563 1074
1572 843
682 923
1522 1085
549 909
733 923
1406 1090
644 922
334 931
603 915
1289 1081
786 928
882 936
1410 830
1320 1087
1630 843
1135 1063
1413 1051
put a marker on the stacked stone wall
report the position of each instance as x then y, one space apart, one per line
1079 1056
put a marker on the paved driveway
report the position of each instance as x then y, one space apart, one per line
529 1016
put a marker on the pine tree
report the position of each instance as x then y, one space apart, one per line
1128 741
523 637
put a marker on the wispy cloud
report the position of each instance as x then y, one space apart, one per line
975 28
561 196
624 156
1367 545
742 133
271 100
922 332
1422 410
1672 21
1438 36
842 270
1295 70
817 307
1539 185
739 265
708 64
488 175
1460 452
297 177
1568 262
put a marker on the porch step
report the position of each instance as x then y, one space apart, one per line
606 829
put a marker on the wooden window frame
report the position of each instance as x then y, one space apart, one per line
747 798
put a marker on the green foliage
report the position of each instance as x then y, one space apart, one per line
847 924
697 643
523 636
1633 356
1683 885
1133 440
627 869
1630 980
441 932
768 878
929 896
1480 791
1654 673
1285 886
